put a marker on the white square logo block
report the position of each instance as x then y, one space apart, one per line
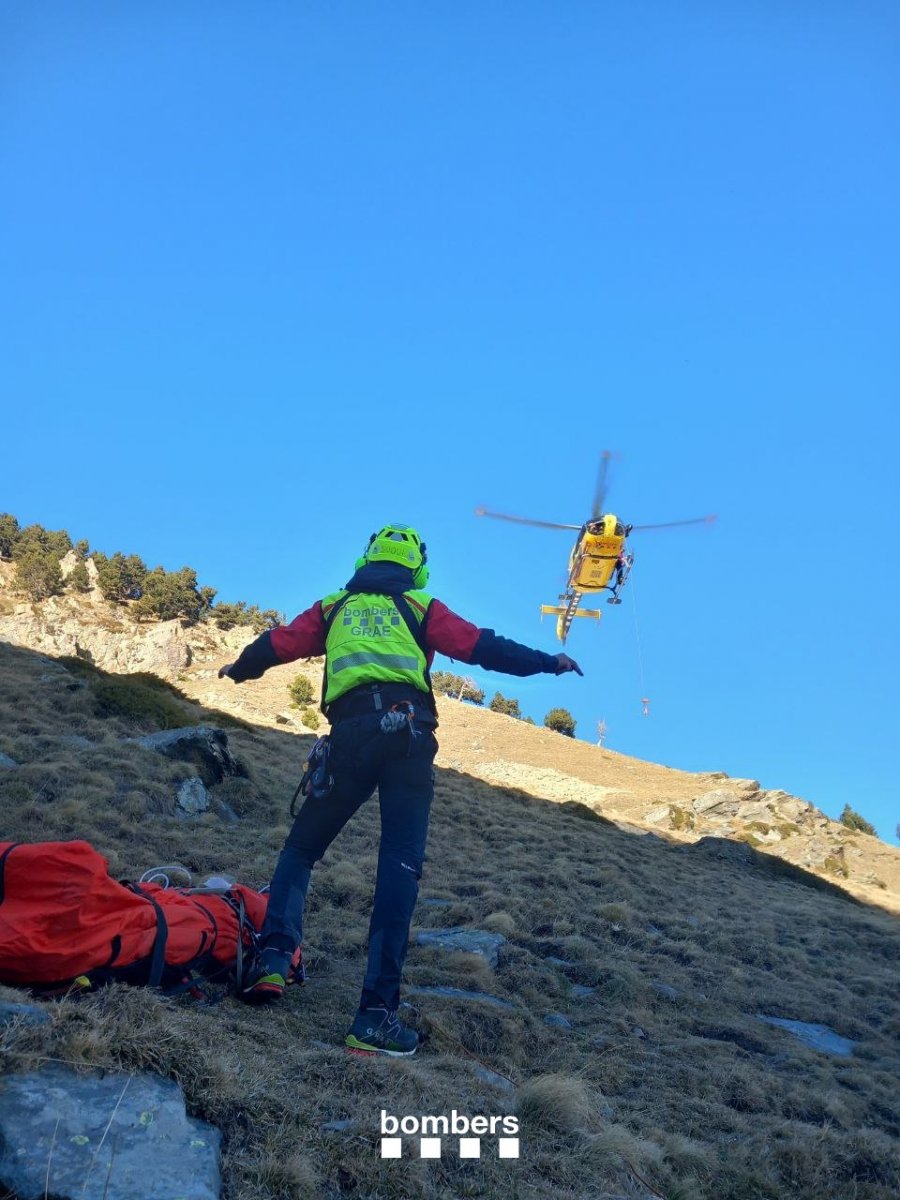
508 1147
470 1147
430 1147
391 1147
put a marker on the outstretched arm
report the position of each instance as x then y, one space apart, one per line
303 638
457 638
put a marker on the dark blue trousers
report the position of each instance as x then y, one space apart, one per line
401 767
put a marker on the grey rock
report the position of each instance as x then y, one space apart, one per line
558 1020
24 1014
580 991
638 1032
453 993
694 922
498 1081
558 962
226 812
817 1037
192 797
666 989
339 1126
202 745
103 1137
6 761
470 941
720 802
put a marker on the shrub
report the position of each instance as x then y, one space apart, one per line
38 573
561 720
500 704
140 698
9 534
854 821
458 686
78 578
301 691
310 718
120 578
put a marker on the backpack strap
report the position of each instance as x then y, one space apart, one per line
158 955
416 628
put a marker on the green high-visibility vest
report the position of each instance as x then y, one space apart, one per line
369 641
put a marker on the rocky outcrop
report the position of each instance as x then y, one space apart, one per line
96 633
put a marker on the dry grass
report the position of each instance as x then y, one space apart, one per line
689 1098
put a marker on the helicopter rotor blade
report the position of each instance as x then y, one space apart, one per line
483 512
602 485
671 524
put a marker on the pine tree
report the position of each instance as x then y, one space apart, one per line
9 534
854 821
561 720
501 704
38 573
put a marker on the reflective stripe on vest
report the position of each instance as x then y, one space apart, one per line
370 642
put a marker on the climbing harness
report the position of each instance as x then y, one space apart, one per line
317 780
398 715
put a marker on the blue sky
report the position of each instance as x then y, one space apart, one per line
275 275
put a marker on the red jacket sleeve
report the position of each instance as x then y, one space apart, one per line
449 634
460 639
303 638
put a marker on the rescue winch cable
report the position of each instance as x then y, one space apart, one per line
637 639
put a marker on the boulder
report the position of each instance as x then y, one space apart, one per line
469 941
6 761
103 1137
192 798
203 745
558 1020
720 802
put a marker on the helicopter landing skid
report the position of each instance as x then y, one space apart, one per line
566 614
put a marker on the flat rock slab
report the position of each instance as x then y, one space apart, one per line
203 745
103 1137
817 1037
453 993
469 941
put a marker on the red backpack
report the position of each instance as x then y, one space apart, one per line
64 919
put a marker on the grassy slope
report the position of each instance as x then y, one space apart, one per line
689 1097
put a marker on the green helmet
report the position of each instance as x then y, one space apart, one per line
399 544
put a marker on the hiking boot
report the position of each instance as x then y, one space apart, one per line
265 980
379 1031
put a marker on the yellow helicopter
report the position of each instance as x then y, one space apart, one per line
600 552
